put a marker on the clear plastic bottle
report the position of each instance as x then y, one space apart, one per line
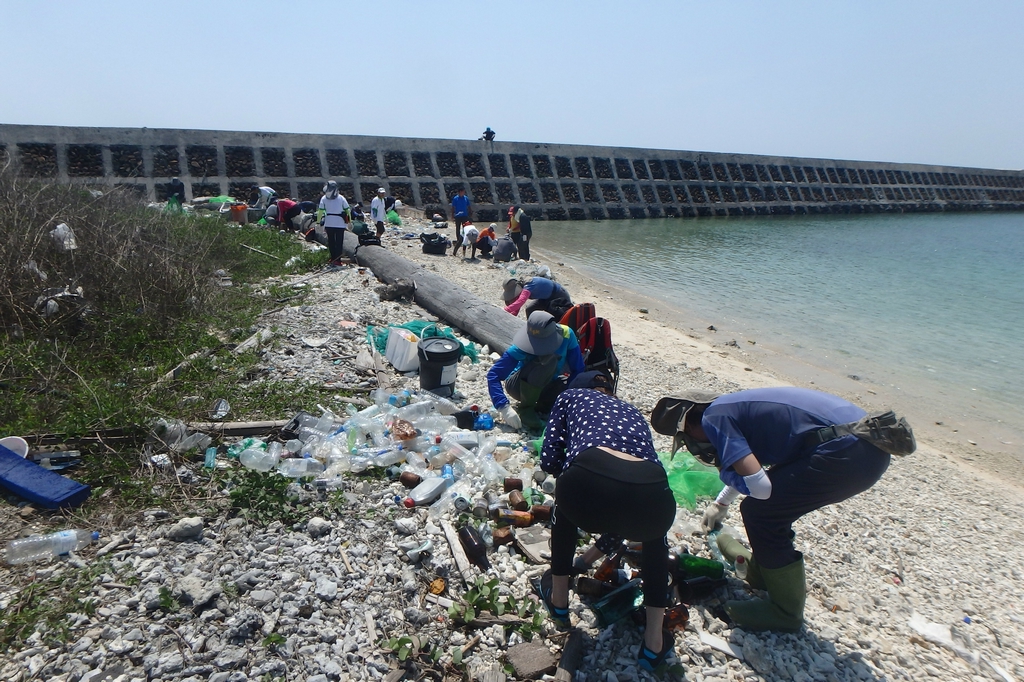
487 445
451 445
435 423
257 458
42 546
386 458
422 443
443 405
467 439
414 411
300 467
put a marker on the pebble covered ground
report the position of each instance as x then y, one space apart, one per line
916 578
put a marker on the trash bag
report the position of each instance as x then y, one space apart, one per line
689 479
378 336
393 217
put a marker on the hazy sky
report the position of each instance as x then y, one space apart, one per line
906 81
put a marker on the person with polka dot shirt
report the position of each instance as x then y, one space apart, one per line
608 481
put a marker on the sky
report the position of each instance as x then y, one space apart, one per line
908 81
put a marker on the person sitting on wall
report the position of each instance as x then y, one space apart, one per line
488 135
543 294
543 358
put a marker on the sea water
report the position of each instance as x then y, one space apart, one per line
928 308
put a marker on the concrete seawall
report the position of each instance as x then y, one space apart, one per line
553 182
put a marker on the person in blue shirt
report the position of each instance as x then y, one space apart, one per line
460 214
608 480
774 446
543 358
542 294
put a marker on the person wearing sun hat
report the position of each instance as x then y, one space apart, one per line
379 210
543 358
599 448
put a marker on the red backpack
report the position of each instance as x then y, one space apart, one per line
595 338
578 315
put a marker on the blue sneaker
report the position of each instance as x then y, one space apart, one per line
651 661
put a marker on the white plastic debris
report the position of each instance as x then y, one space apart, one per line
727 648
64 238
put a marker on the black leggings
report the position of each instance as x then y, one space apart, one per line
602 493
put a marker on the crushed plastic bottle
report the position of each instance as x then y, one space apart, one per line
256 457
300 467
42 546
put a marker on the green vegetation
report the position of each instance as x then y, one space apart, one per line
47 604
88 366
484 596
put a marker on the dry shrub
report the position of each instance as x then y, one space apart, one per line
130 261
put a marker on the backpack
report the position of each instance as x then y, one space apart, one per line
595 339
434 243
576 316
369 239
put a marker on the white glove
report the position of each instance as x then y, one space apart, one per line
510 417
713 517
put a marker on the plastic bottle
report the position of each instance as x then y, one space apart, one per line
434 423
42 546
415 411
741 567
454 498
487 445
386 458
467 439
300 467
443 405
257 458
448 474
474 546
426 492
210 459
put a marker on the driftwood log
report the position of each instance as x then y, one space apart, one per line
453 305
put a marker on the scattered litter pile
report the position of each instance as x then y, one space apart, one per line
427 526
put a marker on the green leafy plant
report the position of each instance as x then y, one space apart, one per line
484 596
167 601
273 640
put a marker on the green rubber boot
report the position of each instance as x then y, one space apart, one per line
731 548
783 610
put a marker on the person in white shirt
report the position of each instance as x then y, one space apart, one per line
334 216
379 210
260 197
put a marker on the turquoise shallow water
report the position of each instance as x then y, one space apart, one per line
929 305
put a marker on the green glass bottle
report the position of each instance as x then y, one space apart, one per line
694 566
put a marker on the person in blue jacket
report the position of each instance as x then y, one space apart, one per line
774 445
543 358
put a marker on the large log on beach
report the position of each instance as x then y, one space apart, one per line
452 304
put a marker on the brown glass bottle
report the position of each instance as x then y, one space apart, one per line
592 588
608 567
474 546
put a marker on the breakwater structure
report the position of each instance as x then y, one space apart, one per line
550 181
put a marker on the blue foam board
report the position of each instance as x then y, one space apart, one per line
38 485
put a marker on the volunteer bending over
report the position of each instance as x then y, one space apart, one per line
539 293
609 480
785 429
543 358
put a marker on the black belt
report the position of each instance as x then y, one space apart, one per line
815 438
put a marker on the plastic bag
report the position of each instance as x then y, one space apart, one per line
689 479
378 336
393 217
64 238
